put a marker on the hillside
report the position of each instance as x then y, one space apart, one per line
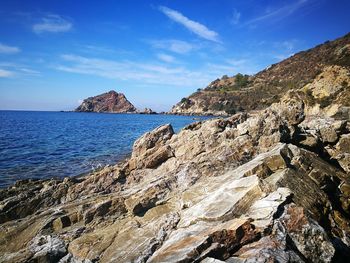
107 102
243 93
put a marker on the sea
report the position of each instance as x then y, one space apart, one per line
37 144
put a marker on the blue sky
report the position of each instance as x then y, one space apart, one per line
55 53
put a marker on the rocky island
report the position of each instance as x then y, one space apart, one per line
111 101
270 184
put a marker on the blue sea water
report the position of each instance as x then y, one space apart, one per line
57 144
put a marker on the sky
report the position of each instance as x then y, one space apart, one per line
55 53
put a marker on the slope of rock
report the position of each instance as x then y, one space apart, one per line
226 96
107 102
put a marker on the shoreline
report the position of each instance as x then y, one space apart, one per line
136 113
124 157
77 177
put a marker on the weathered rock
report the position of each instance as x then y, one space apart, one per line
47 249
342 152
308 237
149 151
70 259
60 223
151 139
99 209
294 238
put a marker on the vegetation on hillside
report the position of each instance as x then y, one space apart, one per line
244 92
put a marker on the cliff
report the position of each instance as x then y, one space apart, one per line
107 102
269 185
228 95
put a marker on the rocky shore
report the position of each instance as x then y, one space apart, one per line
261 186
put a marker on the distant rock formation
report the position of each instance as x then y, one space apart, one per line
148 111
107 102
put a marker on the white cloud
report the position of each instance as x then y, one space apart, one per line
28 71
10 69
195 27
284 49
176 46
232 66
98 49
52 23
142 73
6 73
4 49
236 16
165 57
279 13
288 44
283 56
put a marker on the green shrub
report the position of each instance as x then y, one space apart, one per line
229 108
183 100
217 106
241 81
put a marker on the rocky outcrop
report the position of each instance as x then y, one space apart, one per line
148 111
229 95
107 102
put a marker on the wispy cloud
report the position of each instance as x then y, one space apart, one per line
4 49
177 46
284 49
93 49
6 73
53 24
122 70
98 49
10 69
30 72
141 73
165 57
282 56
236 16
195 27
277 14
288 45
232 66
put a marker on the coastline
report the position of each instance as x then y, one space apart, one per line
54 144
171 182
